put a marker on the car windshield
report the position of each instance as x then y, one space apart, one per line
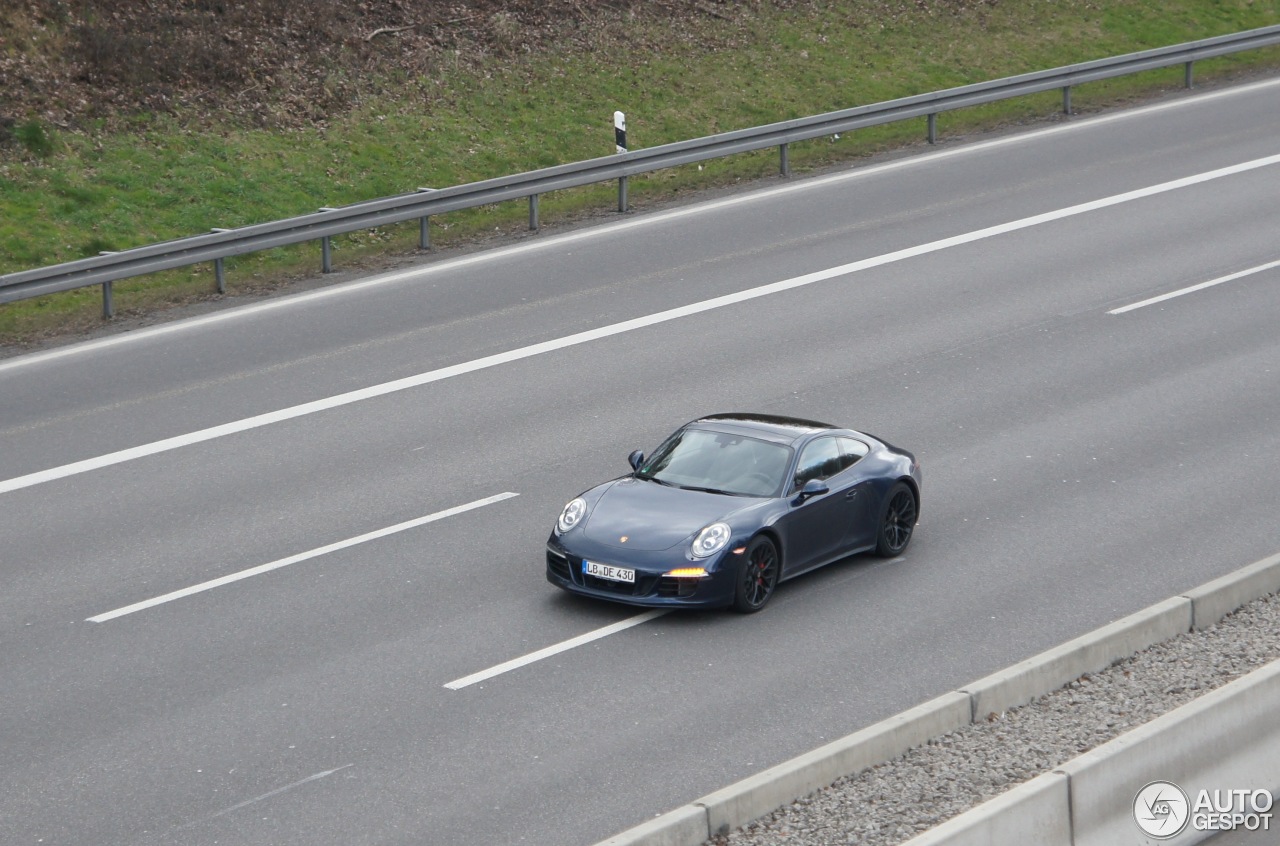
718 462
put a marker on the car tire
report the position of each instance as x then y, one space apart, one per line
758 577
897 523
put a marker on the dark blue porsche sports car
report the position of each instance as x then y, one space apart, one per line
729 506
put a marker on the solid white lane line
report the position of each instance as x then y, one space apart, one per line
1200 287
554 649
301 556
417 380
557 241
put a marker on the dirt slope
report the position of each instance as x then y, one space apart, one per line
286 62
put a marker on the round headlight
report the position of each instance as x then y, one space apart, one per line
711 540
571 515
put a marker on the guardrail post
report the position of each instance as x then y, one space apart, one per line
108 305
326 248
1186 74
219 273
784 160
933 128
622 193
533 211
1066 99
424 225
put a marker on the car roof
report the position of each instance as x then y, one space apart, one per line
768 426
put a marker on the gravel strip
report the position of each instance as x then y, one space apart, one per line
894 802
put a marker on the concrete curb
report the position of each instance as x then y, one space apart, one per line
1227 739
1035 812
1216 599
1088 653
685 826
755 796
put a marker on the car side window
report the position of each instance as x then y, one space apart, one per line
819 460
851 452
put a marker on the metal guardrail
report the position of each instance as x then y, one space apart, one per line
422 204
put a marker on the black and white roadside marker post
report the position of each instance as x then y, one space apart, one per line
620 131
620 146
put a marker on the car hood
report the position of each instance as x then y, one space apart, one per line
651 516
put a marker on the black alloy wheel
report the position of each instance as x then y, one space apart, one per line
759 576
898 521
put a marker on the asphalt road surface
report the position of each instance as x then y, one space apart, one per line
225 618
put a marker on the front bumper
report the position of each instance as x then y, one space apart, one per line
652 588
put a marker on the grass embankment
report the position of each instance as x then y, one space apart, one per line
160 177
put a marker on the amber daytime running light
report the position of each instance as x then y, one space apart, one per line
688 573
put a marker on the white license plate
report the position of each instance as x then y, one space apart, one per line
606 571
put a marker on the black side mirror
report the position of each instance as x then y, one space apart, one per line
813 487
636 458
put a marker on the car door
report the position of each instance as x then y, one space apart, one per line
815 528
859 493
